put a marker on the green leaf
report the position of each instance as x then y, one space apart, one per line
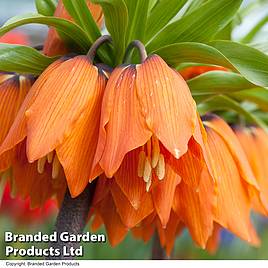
225 33
249 62
218 82
45 7
254 31
163 12
262 46
116 20
152 4
137 14
23 59
79 11
198 26
257 95
222 103
191 52
193 5
72 31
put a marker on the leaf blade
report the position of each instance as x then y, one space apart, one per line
218 82
116 19
165 10
249 62
28 60
222 103
198 26
69 29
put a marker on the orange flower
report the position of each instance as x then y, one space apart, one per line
255 144
140 137
25 179
236 185
59 120
223 198
151 145
15 37
13 89
54 45
191 72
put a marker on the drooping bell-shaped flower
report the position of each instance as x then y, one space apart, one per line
149 128
59 120
236 185
255 145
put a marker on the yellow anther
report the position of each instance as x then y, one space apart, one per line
148 184
50 157
55 167
41 165
160 168
141 163
149 148
147 173
156 151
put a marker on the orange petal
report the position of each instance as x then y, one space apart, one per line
54 45
131 217
226 133
61 101
168 235
28 182
115 229
146 229
97 222
167 104
18 130
256 150
195 209
163 195
190 165
127 179
122 126
233 204
214 241
13 90
102 189
77 152
96 12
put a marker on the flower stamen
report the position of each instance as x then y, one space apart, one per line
160 168
141 164
55 167
41 165
150 159
50 157
147 174
156 151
